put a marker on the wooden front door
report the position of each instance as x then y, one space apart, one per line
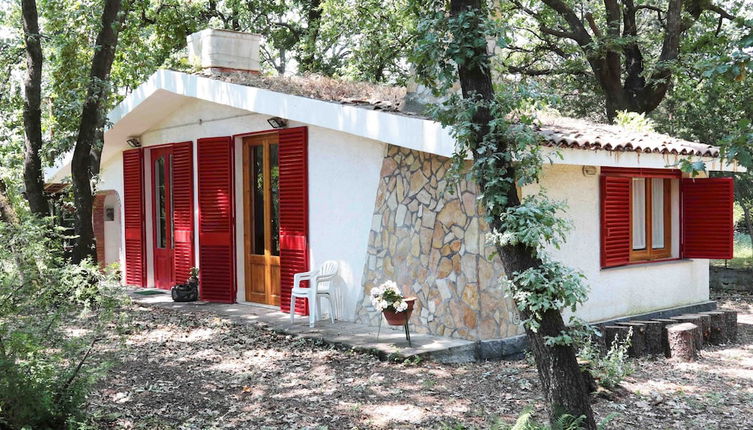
261 217
162 216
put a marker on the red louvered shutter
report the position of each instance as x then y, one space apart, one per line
615 221
707 225
294 225
182 183
133 217
216 244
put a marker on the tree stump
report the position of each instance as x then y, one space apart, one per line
638 341
599 340
588 378
664 323
695 320
730 322
682 340
614 333
705 327
718 327
653 337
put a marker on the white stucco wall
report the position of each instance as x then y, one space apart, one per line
343 177
111 178
626 290
112 229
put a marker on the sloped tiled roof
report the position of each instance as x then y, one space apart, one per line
557 131
580 134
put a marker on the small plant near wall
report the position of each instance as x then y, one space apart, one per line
188 292
193 277
610 368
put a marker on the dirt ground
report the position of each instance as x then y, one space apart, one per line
197 371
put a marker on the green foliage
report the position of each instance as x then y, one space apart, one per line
550 286
608 369
506 154
634 121
565 422
45 360
534 223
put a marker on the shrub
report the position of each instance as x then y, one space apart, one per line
52 317
608 369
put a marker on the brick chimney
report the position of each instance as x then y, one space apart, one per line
224 51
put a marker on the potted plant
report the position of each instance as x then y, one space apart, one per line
193 278
388 299
188 292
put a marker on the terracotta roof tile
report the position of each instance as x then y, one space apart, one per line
581 134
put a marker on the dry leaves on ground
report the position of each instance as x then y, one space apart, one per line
197 371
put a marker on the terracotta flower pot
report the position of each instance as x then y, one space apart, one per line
400 318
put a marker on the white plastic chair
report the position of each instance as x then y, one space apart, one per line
320 283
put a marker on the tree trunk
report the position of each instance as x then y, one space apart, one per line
7 213
92 119
307 60
33 181
564 388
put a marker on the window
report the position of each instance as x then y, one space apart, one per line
636 216
651 219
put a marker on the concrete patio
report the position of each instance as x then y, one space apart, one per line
391 344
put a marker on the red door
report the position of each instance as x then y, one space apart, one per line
162 216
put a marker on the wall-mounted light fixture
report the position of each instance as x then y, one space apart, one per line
277 122
134 142
589 170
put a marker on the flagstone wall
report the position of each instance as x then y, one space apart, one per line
431 242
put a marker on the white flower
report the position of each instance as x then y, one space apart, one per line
401 306
388 295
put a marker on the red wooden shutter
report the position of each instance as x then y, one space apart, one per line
133 217
216 244
707 226
182 183
294 225
615 221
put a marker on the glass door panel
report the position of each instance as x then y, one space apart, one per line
261 201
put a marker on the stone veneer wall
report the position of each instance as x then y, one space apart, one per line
431 242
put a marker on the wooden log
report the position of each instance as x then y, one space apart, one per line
665 322
682 340
653 337
695 320
637 346
614 333
588 378
718 327
705 327
599 340
730 322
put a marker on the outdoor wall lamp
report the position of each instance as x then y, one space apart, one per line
277 122
134 142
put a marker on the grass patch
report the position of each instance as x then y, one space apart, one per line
743 256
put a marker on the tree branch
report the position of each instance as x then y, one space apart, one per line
580 34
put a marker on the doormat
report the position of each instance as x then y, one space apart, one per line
149 292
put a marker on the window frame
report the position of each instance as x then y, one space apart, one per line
650 253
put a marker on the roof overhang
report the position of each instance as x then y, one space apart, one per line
632 159
166 90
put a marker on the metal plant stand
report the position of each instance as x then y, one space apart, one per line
406 327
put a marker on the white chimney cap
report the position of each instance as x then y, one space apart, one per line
224 49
